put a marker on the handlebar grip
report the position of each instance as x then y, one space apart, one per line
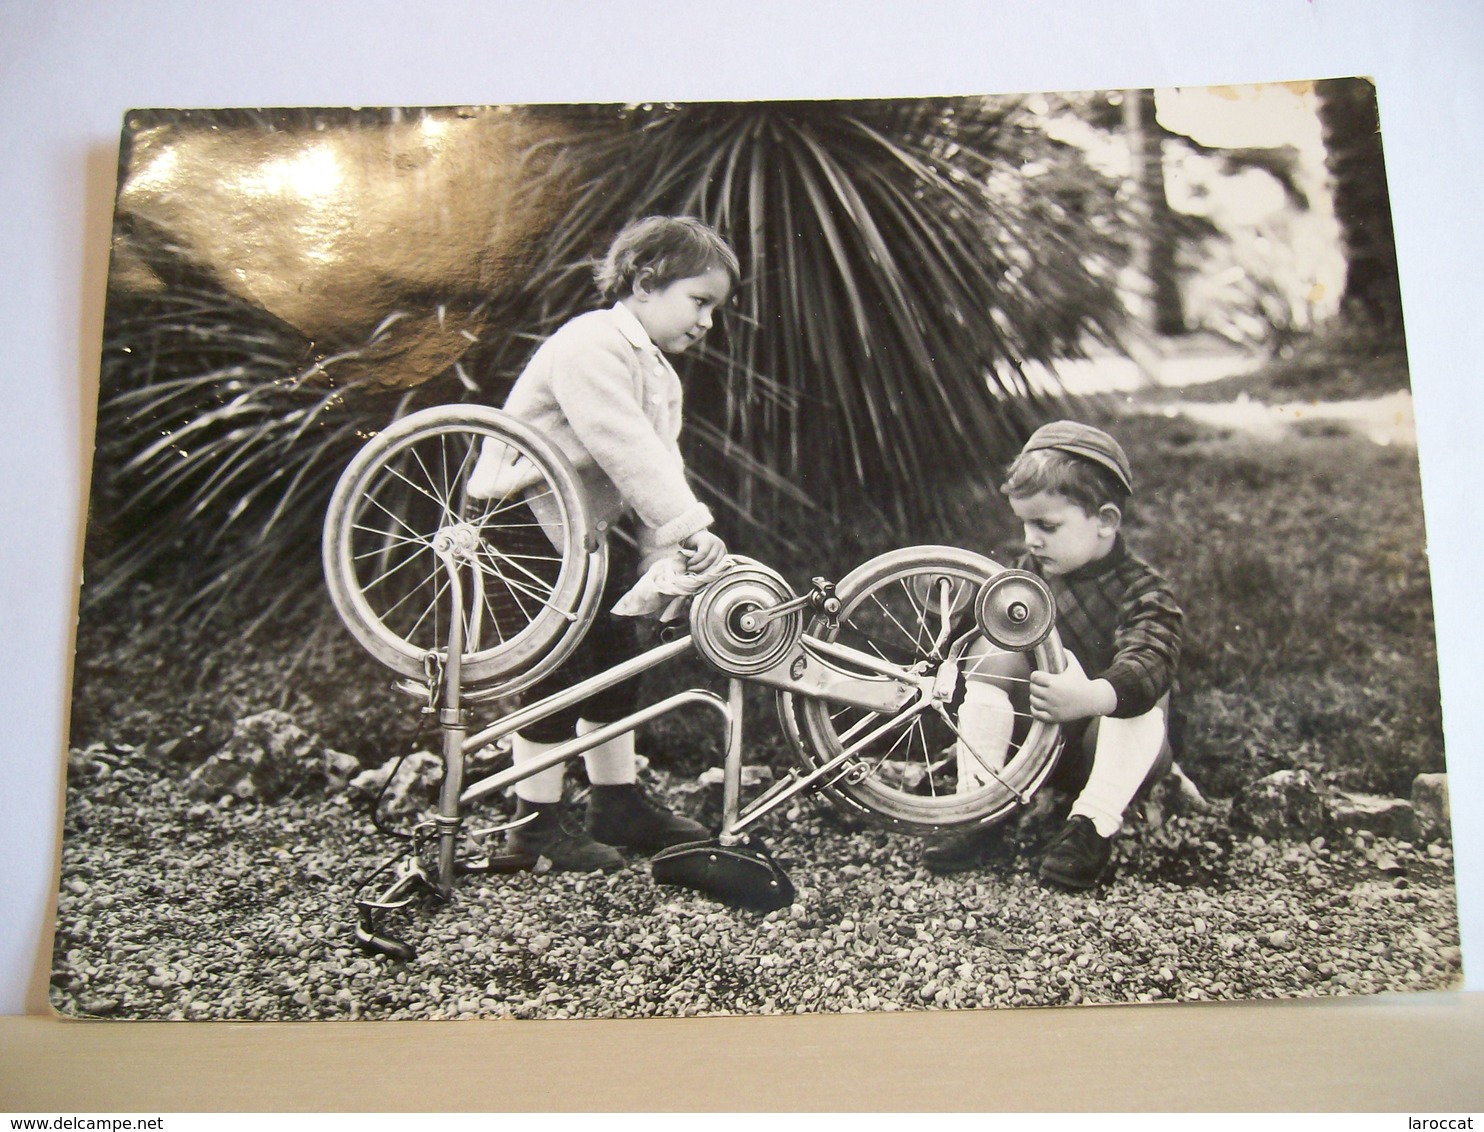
384 944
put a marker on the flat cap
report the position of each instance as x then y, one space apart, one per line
1083 440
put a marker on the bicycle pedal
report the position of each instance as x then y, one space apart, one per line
503 863
390 946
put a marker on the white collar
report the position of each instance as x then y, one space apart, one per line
632 329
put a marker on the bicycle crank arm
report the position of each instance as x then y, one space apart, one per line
495 862
821 598
755 621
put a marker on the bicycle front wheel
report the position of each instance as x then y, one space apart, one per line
403 507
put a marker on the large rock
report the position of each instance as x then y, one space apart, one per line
270 756
339 768
1430 805
701 798
1385 817
1287 803
228 771
414 788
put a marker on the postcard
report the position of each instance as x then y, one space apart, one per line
657 560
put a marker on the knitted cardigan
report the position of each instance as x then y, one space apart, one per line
609 399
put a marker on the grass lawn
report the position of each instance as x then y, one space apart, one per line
1302 566
1300 561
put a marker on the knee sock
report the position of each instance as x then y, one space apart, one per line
985 721
1126 751
544 785
611 763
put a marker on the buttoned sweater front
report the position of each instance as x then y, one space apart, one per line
610 400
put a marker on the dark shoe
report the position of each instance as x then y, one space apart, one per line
627 815
554 836
959 852
1077 856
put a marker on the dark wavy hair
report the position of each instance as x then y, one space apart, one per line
667 248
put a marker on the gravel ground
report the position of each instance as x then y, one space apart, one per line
180 909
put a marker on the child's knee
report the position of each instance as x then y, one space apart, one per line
983 663
1139 739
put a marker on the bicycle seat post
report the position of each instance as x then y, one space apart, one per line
731 782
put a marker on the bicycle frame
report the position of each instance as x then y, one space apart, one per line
866 677
903 693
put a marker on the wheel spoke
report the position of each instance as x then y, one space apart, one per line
425 492
502 505
886 755
390 538
535 584
439 493
385 616
385 574
919 612
514 591
906 633
493 611
374 500
927 759
432 607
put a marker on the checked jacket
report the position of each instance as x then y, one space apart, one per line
1118 617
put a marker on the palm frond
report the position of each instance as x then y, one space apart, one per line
899 270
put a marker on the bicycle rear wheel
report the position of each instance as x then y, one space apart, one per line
403 509
908 607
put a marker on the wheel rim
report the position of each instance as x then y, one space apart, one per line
894 607
402 508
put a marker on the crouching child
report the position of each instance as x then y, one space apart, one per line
1070 487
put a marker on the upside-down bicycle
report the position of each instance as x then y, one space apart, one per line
867 670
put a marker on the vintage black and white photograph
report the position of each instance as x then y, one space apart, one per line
717 558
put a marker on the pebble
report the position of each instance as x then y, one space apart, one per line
251 919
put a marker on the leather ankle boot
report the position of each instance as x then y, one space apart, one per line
554 834
626 815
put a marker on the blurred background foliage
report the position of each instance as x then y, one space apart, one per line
286 282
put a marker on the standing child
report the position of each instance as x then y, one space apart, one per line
603 391
1120 625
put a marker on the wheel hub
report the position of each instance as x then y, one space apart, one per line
460 540
725 630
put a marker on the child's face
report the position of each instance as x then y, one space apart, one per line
1060 534
677 315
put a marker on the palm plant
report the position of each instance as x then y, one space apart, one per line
903 259
900 268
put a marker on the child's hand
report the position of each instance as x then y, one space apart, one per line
704 550
1070 695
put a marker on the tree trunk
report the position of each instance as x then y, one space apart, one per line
1352 139
1155 247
